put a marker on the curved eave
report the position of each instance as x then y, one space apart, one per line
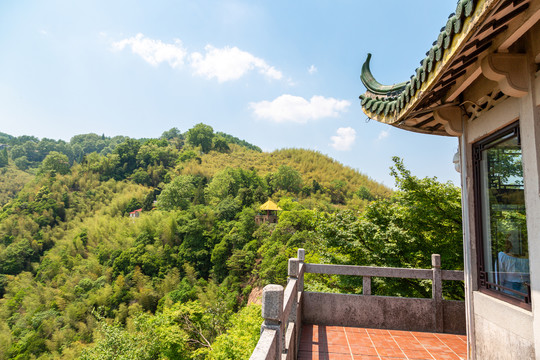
427 86
373 85
432 127
438 58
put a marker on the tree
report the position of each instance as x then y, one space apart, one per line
3 157
127 156
55 162
177 194
151 337
288 179
364 193
220 144
241 337
16 256
154 153
171 134
224 184
422 218
201 135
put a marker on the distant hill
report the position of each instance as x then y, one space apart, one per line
12 180
81 271
312 165
222 150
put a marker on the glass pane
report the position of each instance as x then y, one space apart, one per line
506 256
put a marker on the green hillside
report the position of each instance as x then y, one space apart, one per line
12 181
312 165
82 277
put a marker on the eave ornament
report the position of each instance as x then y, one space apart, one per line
509 71
450 117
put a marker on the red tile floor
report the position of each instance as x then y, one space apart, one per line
320 342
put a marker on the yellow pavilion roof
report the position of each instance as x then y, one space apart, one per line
269 205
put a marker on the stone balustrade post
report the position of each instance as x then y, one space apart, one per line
366 285
437 292
272 313
301 256
294 268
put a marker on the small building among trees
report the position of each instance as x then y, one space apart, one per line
269 214
135 213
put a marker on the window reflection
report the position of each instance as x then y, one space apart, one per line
504 232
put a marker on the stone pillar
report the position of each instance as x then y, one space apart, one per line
529 122
366 285
437 292
469 266
272 313
294 267
301 256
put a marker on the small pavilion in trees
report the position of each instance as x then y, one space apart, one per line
268 213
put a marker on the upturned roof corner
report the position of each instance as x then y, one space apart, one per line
373 86
477 29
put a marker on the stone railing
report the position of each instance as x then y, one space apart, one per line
282 314
271 219
285 310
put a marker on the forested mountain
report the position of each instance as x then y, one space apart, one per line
81 278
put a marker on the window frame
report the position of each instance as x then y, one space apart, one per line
484 285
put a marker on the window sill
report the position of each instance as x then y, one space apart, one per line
506 298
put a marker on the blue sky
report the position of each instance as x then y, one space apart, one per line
278 74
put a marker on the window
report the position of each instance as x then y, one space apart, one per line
503 257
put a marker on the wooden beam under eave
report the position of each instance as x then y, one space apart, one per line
520 25
516 28
464 82
535 45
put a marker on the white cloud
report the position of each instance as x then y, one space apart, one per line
229 64
289 108
153 51
344 139
225 64
312 69
383 134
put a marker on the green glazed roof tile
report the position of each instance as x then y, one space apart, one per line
459 9
447 41
457 25
387 108
440 38
369 103
450 25
438 53
394 98
380 106
468 6
364 99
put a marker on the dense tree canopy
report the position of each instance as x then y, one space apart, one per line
201 135
422 218
55 162
79 278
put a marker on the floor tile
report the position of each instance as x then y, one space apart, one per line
363 350
321 342
365 357
418 354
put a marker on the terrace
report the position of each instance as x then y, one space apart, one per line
308 325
